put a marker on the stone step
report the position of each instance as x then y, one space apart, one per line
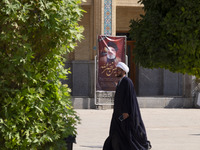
144 102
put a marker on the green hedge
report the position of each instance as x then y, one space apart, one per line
35 108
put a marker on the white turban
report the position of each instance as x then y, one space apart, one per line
123 66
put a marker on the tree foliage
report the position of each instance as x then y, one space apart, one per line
35 110
168 35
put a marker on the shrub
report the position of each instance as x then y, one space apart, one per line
167 36
35 108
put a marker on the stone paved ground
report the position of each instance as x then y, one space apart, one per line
167 129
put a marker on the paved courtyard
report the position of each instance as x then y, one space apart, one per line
167 129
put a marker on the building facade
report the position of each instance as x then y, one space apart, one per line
155 88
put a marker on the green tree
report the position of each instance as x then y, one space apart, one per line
168 35
35 108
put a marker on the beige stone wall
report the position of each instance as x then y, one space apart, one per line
82 51
92 22
87 2
98 27
124 15
127 3
118 2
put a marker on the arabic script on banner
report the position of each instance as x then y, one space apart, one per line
111 51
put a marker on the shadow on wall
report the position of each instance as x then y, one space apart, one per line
165 102
180 102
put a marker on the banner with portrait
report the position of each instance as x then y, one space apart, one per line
112 49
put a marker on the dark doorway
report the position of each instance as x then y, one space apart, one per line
129 53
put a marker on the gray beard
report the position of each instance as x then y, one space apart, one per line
120 75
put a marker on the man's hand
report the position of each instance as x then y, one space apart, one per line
125 115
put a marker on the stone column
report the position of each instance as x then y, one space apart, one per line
187 86
114 17
105 98
97 24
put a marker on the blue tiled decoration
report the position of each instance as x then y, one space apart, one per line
107 17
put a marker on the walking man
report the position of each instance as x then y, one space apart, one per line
127 131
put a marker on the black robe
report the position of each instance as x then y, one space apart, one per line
129 134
